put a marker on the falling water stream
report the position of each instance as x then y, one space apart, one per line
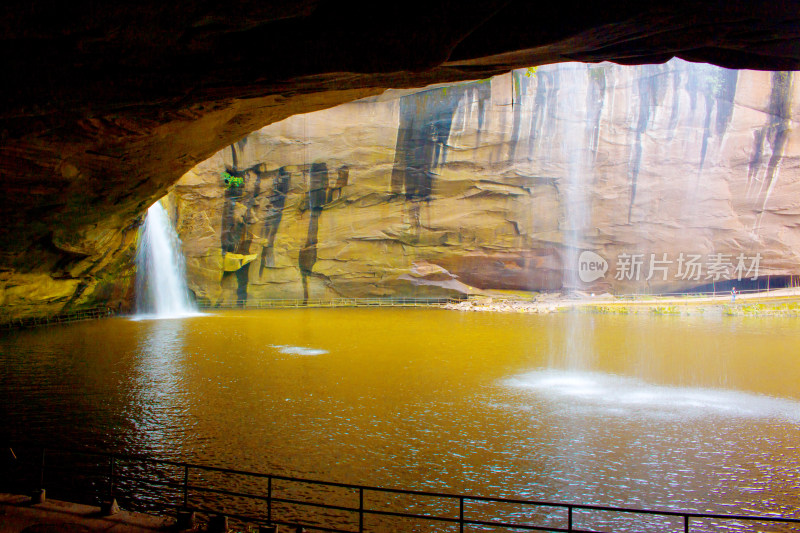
572 114
161 290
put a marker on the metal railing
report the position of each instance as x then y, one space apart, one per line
722 294
190 482
56 318
299 303
293 303
273 303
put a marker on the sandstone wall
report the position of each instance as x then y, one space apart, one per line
502 183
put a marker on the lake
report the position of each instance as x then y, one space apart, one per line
698 413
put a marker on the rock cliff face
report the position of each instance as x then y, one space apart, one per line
503 183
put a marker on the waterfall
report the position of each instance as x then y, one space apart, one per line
161 290
572 115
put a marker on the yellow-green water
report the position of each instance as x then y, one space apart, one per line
694 413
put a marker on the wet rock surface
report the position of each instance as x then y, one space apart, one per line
499 184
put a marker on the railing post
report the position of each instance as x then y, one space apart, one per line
41 469
461 514
686 523
38 494
185 485
360 510
569 518
269 500
110 507
111 474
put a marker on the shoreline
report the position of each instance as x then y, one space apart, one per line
778 302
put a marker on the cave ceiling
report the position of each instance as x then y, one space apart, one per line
105 105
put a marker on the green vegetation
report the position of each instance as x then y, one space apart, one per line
597 73
768 309
782 309
232 181
665 310
609 309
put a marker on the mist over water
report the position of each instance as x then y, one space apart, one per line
630 397
161 290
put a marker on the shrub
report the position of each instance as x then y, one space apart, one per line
232 181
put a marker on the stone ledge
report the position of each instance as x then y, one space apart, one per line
52 516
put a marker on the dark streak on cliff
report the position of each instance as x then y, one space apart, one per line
775 132
425 122
232 229
274 214
595 100
651 88
516 102
235 235
545 85
317 197
719 91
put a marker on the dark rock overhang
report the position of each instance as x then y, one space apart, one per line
87 58
105 105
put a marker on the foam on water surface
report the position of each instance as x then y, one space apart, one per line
298 350
628 396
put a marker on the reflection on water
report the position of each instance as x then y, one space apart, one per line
575 349
665 412
158 404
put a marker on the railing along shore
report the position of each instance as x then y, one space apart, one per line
272 303
179 487
56 318
783 292
293 303
299 303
